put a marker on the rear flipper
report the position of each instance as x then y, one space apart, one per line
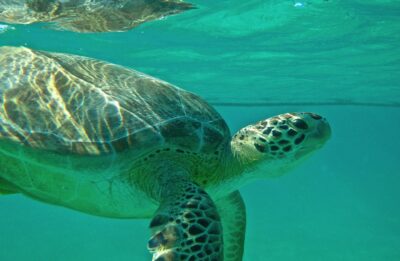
7 188
186 226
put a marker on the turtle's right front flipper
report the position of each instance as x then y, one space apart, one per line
186 225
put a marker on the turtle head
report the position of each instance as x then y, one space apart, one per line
273 146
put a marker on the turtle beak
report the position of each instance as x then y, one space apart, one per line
322 130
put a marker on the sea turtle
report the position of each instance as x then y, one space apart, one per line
110 141
89 15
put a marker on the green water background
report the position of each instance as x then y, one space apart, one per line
253 59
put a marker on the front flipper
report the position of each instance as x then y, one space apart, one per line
233 216
186 226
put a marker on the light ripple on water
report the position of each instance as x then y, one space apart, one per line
256 52
4 28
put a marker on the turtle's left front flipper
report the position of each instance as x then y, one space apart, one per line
186 225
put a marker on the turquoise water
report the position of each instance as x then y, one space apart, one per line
254 59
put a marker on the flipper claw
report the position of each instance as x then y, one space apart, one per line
163 239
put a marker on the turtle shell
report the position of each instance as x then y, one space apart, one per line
75 105
89 16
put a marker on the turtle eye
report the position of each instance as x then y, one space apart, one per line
301 124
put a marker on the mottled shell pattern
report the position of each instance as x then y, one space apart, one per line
75 105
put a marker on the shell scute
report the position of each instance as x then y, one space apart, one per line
72 104
212 139
186 133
